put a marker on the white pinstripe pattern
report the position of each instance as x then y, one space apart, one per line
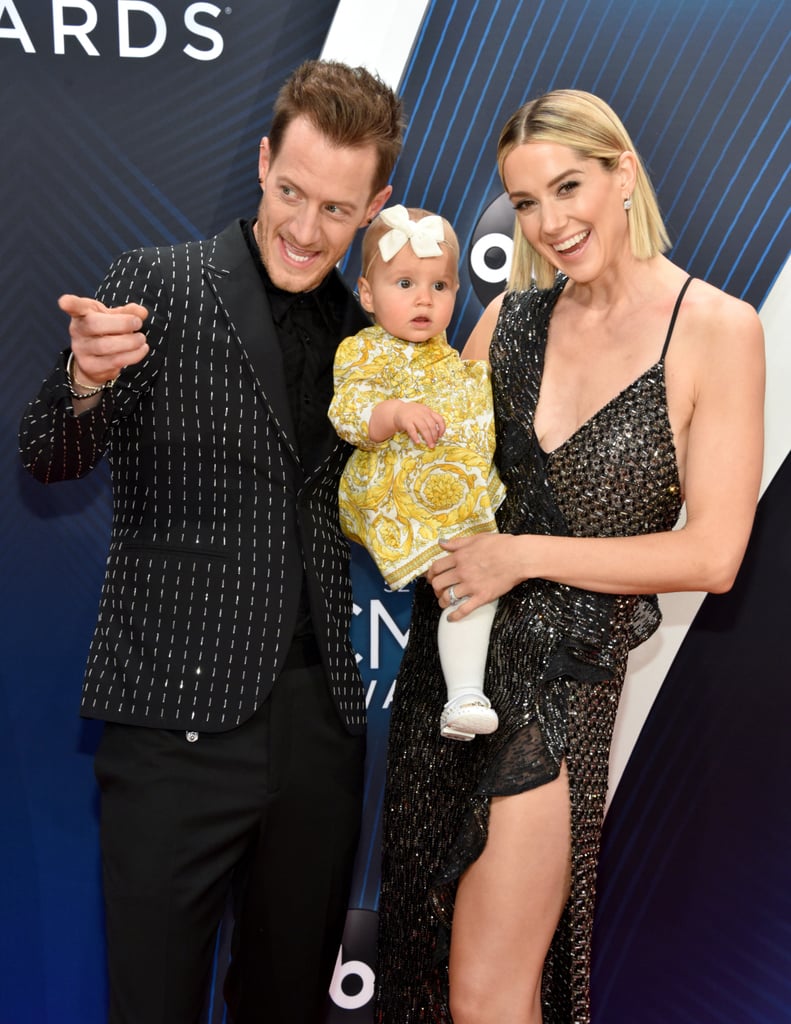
213 523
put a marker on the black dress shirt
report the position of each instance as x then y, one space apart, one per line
308 326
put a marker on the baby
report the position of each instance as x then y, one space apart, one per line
421 419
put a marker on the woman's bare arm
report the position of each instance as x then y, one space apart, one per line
722 459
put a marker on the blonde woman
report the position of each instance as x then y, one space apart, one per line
622 389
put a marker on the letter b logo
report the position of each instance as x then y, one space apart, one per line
352 988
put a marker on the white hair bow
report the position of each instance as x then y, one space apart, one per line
423 235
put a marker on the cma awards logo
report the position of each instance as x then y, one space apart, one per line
142 28
379 642
492 248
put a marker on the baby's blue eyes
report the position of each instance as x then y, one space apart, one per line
405 282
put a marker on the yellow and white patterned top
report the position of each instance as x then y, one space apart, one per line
397 498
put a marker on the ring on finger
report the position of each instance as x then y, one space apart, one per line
452 595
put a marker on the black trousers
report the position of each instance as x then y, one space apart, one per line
271 811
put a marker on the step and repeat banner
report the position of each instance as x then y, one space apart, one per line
128 122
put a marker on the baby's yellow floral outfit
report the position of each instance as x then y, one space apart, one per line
396 498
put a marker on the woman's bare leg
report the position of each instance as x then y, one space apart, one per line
508 905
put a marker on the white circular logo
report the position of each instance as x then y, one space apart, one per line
492 248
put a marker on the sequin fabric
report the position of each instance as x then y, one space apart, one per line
556 667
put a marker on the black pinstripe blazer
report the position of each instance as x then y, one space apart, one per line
214 519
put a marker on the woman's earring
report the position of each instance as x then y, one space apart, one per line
627 203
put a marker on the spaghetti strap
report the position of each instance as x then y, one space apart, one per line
673 317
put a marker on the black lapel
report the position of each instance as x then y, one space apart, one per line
235 281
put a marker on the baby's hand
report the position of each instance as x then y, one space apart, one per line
419 422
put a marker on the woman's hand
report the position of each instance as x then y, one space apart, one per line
479 568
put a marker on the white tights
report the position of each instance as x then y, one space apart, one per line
463 649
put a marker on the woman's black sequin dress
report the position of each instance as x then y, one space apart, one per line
556 667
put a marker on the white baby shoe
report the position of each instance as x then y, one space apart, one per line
469 715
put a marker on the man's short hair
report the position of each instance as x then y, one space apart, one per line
351 107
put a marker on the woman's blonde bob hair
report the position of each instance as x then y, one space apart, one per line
586 124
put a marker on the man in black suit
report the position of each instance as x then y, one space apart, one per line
232 754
